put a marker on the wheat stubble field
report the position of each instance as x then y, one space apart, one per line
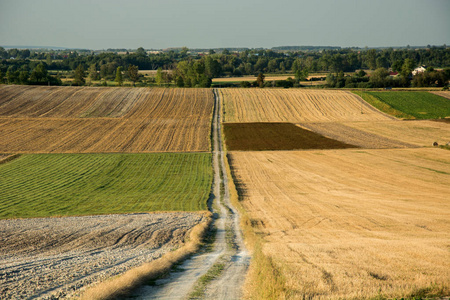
350 223
88 120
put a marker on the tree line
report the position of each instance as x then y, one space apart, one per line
182 68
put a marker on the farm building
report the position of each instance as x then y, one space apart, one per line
418 70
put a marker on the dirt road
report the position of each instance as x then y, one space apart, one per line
228 250
49 258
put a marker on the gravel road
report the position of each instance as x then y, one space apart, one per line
52 258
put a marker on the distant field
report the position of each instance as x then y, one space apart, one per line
445 94
351 224
275 136
86 120
295 106
41 185
420 105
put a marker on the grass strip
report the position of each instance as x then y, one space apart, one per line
419 105
382 106
215 271
43 185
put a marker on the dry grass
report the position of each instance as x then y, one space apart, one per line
123 284
86 120
295 106
349 223
445 94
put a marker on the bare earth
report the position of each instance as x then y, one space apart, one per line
77 251
352 223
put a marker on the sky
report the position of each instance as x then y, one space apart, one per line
159 24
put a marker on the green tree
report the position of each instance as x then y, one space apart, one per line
48 59
133 73
23 77
159 77
78 76
379 77
141 51
260 80
39 75
93 74
407 67
119 78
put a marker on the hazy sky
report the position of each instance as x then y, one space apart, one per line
101 24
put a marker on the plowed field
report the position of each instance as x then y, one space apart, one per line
52 258
53 119
275 136
296 106
351 223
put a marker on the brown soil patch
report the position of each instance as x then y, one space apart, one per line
353 224
275 136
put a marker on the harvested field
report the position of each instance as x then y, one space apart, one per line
352 224
156 120
42 185
36 262
358 137
418 133
296 106
445 94
275 136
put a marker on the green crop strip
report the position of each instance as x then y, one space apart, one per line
420 105
41 185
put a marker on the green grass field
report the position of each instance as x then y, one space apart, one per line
41 185
419 105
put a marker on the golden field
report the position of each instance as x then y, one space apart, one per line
351 224
296 106
85 120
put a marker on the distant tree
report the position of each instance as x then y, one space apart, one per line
93 74
159 76
79 76
407 67
361 73
119 78
141 51
260 80
23 77
245 84
133 73
379 76
1 76
3 53
48 59
301 74
39 75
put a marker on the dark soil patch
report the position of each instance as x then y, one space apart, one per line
276 136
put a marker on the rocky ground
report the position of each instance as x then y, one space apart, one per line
51 258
